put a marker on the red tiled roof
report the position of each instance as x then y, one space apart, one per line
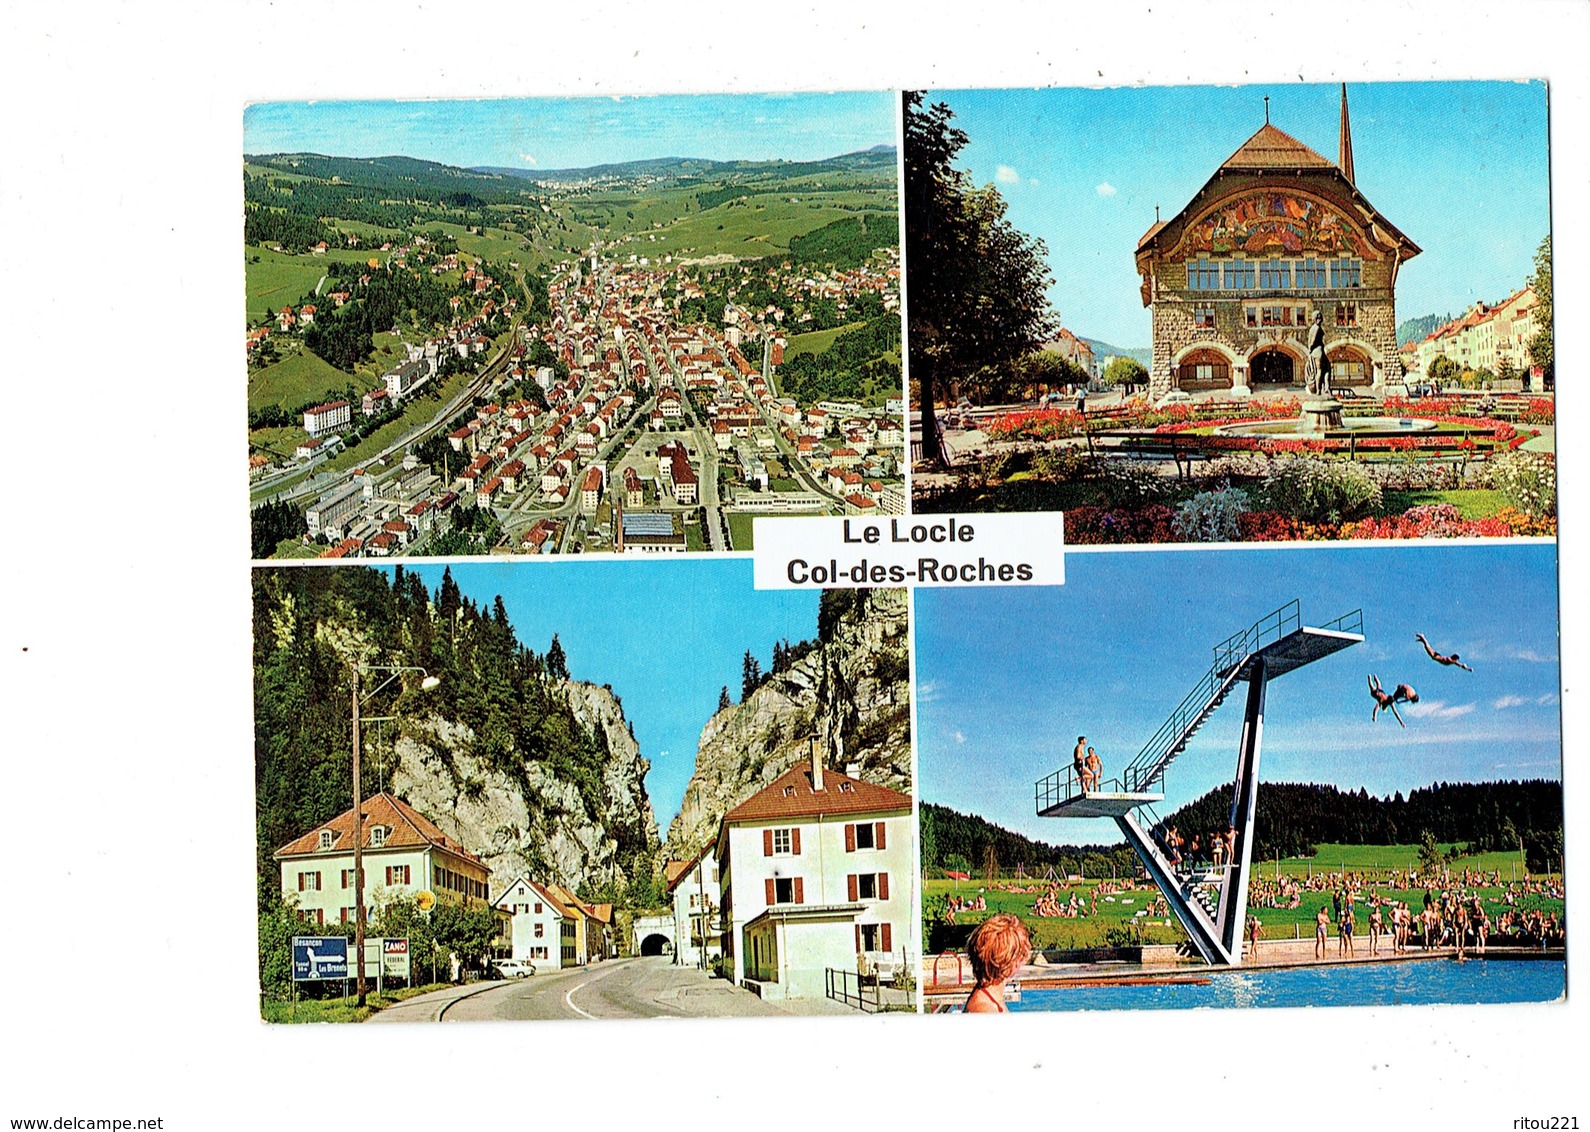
408 829
841 794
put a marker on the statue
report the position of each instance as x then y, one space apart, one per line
1317 370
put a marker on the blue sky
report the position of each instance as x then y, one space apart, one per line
1460 168
571 133
1009 677
666 635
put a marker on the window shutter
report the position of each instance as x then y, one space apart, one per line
850 885
795 840
858 939
883 886
850 839
389 874
767 843
878 840
886 944
772 892
300 882
800 891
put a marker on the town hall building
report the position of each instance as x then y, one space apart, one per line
1277 235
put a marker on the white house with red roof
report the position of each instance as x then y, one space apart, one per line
697 901
537 919
816 871
405 853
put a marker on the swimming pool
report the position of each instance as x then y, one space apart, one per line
1381 984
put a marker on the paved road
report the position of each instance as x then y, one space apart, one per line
618 988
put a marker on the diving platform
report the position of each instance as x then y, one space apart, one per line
1210 899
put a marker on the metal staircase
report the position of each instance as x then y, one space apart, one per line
1210 901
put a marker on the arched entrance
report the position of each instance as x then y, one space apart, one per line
1203 368
1350 366
1273 367
655 944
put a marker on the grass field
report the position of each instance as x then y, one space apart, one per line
1278 923
739 531
279 280
818 340
297 378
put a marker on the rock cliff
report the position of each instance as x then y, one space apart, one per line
852 694
534 822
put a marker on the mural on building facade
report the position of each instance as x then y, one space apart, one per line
1271 222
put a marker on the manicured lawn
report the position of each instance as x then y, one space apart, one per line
277 442
1472 503
739 531
297 378
693 539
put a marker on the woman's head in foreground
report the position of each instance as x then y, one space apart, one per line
998 947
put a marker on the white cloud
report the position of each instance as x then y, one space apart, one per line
1530 655
1007 175
959 738
1510 702
927 693
528 159
1436 709
1105 189
1548 698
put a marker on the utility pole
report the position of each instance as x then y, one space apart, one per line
358 847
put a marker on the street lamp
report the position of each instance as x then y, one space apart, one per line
428 683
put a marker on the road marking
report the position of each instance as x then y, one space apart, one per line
568 1000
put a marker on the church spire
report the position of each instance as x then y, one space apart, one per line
1345 160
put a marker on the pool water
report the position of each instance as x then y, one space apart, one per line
1381 984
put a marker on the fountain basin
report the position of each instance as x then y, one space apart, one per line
1295 427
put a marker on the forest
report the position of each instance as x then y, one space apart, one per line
310 626
1292 818
863 354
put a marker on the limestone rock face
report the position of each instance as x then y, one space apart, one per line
534 823
852 694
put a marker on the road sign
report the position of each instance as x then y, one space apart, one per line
319 957
395 958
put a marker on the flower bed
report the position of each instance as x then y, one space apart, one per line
1116 525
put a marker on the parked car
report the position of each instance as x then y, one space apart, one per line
514 968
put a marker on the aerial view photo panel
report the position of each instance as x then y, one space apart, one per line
555 326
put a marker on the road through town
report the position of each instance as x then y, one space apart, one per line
619 988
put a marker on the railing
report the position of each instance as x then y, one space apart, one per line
848 987
1347 623
1267 630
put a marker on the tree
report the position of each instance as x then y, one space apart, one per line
557 662
1540 346
1125 371
976 285
1443 369
724 702
750 675
1431 859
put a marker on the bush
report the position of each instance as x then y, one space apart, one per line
1131 482
1064 464
1321 491
1212 516
1528 479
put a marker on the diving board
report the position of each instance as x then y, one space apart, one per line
1210 902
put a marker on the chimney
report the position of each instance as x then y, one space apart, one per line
853 770
817 766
